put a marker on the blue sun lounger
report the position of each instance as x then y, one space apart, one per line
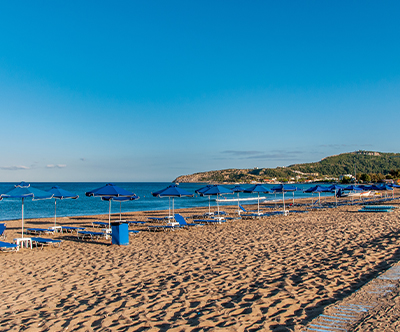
40 241
89 234
71 229
210 221
182 222
39 231
100 224
5 246
135 222
133 232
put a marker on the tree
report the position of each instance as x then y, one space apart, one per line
365 177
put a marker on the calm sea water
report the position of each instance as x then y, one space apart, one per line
10 208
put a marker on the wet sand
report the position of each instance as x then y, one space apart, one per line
271 274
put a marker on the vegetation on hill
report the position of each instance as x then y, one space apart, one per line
367 164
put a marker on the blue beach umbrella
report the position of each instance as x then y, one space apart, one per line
120 200
110 190
334 188
238 189
317 189
172 191
258 188
282 188
59 193
201 191
353 188
216 190
24 190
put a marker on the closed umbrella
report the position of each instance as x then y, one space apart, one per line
59 193
258 188
24 190
110 190
172 191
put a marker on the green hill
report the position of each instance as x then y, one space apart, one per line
365 162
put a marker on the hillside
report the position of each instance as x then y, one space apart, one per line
366 162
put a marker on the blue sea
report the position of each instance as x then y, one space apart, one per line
10 208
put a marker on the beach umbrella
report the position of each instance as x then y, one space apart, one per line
216 190
120 200
109 190
238 189
385 187
172 191
201 191
317 189
258 188
282 188
24 190
59 193
334 188
353 188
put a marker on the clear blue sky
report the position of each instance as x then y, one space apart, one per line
150 90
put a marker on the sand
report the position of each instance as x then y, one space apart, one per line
272 274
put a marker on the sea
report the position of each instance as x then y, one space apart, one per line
10 208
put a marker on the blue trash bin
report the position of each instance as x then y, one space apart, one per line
120 233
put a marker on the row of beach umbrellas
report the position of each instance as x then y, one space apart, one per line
111 192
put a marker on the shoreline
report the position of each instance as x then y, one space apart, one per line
275 273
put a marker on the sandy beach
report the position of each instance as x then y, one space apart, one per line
271 274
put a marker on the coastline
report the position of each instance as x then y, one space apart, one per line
276 273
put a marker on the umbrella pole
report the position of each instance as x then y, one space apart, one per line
238 205
209 205
283 196
55 211
120 211
217 205
173 207
22 216
258 203
319 198
169 206
109 214
293 197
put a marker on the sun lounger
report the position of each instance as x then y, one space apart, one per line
39 231
135 222
90 235
210 221
100 224
133 232
40 241
182 222
72 229
5 246
170 226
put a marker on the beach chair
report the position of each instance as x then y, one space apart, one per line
5 246
71 229
38 231
82 235
40 241
210 221
167 227
133 232
2 229
135 222
182 222
100 224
